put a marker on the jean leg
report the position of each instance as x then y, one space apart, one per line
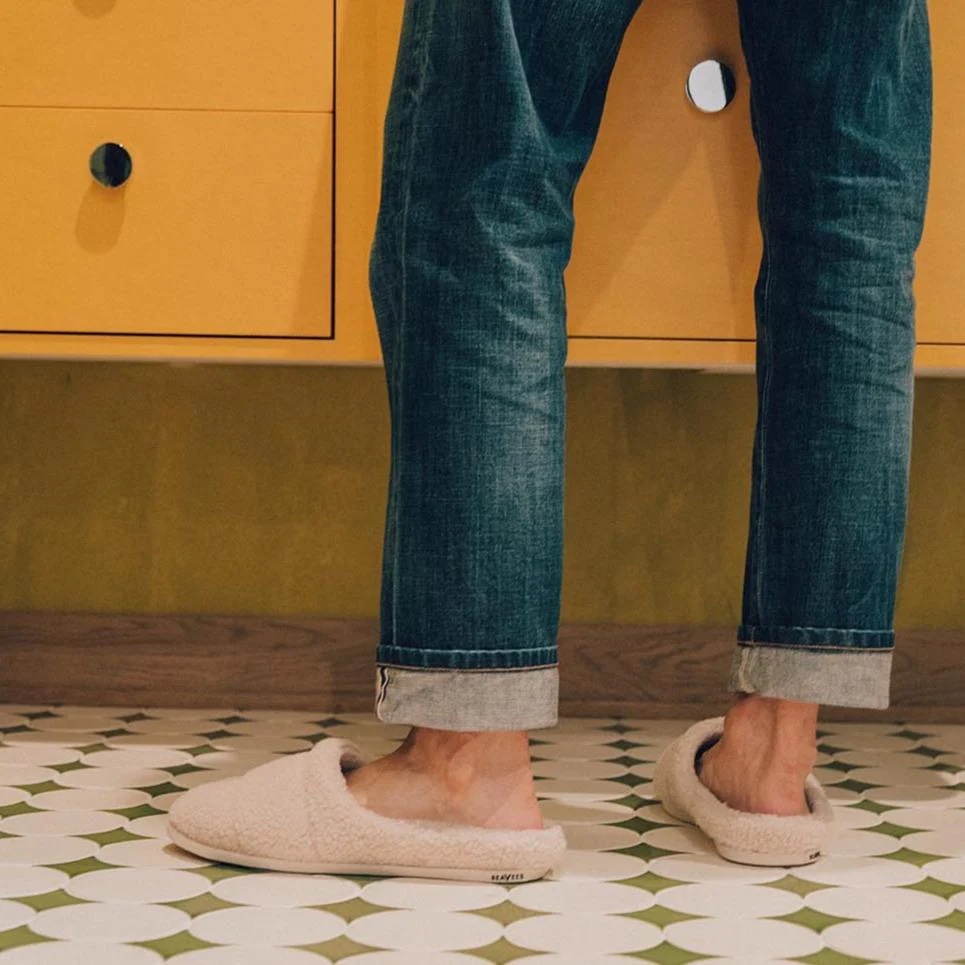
841 109
493 112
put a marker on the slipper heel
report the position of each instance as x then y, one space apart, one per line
768 840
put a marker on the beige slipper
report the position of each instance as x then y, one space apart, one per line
296 813
739 836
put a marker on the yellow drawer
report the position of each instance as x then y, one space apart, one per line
667 244
940 284
219 54
224 226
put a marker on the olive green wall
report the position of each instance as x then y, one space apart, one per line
132 487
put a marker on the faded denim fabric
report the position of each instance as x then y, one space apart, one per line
494 110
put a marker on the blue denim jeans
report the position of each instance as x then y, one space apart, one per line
493 113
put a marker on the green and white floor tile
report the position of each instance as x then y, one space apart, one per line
88 876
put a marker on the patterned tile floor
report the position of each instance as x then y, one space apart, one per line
88 877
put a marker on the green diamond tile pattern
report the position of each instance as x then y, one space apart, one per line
633 887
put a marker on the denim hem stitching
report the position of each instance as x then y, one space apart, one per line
398 666
816 637
815 648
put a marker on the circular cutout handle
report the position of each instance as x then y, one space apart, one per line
111 164
711 86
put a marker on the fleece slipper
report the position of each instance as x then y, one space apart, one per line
296 813
739 836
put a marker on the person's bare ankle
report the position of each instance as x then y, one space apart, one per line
480 778
464 758
768 748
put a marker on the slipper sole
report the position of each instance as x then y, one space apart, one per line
764 859
343 868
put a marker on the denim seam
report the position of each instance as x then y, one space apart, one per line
396 666
814 648
417 97
789 626
448 650
762 333
803 636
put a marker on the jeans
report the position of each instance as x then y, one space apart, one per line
493 113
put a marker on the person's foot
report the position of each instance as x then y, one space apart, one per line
768 748
478 778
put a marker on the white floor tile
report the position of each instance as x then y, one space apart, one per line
583 934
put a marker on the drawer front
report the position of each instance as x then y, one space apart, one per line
667 243
224 226
220 54
940 283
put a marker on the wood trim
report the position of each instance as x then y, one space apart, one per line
312 663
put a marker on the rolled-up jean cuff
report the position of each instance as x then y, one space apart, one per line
839 676
468 699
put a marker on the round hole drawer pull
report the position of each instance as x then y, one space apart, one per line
111 164
711 86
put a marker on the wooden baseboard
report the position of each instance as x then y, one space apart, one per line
310 663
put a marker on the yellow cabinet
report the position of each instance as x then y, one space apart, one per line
667 243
